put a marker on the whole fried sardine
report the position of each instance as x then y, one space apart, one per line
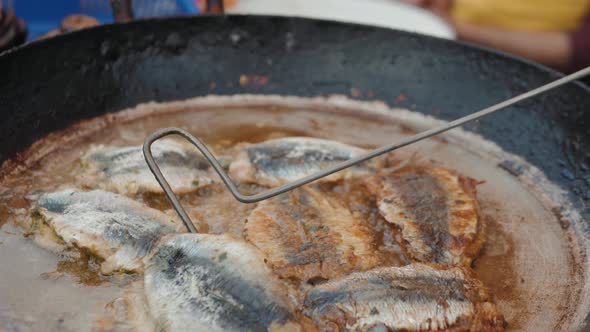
282 160
124 170
415 297
113 227
202 282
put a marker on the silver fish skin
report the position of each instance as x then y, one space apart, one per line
113 227
415 297
201 282
282 160
124 170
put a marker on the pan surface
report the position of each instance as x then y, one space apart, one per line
49 85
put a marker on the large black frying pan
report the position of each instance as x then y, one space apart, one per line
48 85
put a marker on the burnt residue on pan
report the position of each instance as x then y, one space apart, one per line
534 260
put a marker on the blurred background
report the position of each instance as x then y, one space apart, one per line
46 16
554 33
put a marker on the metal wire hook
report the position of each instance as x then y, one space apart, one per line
149 158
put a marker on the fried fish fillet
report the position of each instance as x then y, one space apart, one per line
281 160
202 282
415 297
113 227
124 170
308 236
436 212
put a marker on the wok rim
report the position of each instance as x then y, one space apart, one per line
31 46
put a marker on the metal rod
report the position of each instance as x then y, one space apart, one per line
313 177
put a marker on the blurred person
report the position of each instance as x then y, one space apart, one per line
554 33
217 6
13 30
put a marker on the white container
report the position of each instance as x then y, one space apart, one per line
382 13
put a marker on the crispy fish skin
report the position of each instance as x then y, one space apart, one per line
307 235
201 282
282 160
124 170
415 297
113 227
436 211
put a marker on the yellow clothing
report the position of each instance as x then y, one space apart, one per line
526 15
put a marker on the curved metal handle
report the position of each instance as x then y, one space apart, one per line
310 178
155 169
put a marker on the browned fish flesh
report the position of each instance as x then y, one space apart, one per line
436 212
416 297
308 236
